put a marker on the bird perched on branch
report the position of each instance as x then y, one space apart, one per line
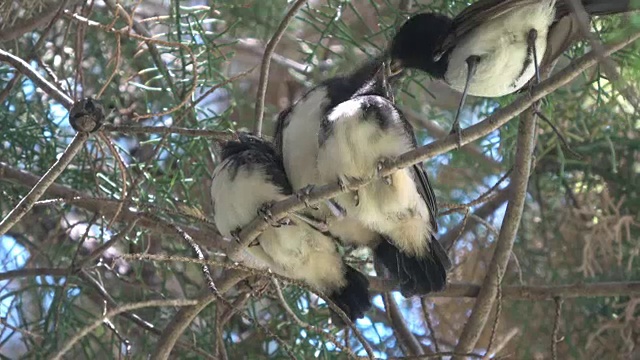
249 178
357 138
493 47
410 260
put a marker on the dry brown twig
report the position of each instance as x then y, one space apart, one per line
43 184
266 63
504 244
305 325
124 308
556 328
405 337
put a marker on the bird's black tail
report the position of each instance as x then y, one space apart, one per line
416 275
600 7
353 298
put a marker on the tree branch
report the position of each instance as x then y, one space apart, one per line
43 184
518 189
124 308
447 240
403 334
266 62
42 83
109 207
221 135
185 316
532 292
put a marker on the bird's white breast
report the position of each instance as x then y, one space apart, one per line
502 45
237 200
300 139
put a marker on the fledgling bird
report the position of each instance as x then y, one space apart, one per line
251 177
357 137
297 141
493 47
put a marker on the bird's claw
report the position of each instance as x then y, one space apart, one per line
235 235
338 211
345 184
303 195
265 212
382 164
458 132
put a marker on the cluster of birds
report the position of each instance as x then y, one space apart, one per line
348 127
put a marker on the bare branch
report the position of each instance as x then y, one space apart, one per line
109 207
403 334
556 328
266 62
221 135
532 293
37 79
124 308
43 184
185 316
8 275
518 189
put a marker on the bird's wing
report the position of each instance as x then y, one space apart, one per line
420 176
476 14
426 192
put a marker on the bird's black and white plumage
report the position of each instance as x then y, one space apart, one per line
499 34
251 175
297 140
357 136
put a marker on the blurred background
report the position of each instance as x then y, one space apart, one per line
196 65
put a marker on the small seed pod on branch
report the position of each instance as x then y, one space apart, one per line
86 115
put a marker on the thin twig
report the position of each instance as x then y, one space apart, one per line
448 240
42 83
102 248
43 184
305 325
124 308
427 320
556 328
494 329
266 63
402 332
103 296
11 274
455 290
184 317
23 332
222 135
123 174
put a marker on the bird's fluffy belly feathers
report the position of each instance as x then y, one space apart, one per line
503 41
353 150
296 251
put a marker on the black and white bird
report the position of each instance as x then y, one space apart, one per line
493 47
418 263
356 138
249 178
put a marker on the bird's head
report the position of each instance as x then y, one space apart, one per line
417 40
